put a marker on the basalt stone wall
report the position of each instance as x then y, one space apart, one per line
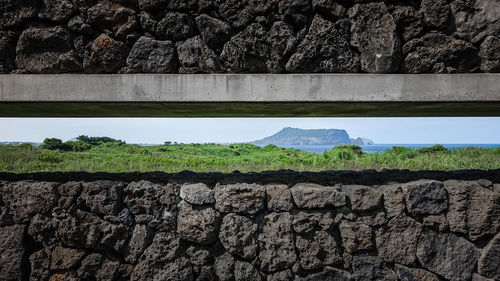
235 230
244 36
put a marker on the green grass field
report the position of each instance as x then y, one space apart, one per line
115 157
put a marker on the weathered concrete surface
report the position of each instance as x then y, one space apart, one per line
250 95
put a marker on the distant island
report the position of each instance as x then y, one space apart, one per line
294 136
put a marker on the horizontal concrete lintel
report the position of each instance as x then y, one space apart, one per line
247 95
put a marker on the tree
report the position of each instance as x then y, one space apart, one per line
55 144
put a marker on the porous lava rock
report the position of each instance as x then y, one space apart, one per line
238 235
153 56
448 255
374 33
489 261
14 12
56 10
473 209
276 247
398 243
214 32
108 229
309 196
437 52
12 252
175 27
46 50
240 198
197 224
326 48
105 55
196 57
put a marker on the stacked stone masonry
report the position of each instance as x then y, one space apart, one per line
424 230
249 36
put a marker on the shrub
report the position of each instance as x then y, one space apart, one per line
78 146
49 157
354 148
400 152
55 144
343 152
433 149
94 141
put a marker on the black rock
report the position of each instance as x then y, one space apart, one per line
152 56
326 48
105 55
47 50
176 27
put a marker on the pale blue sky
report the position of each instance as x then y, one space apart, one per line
228 130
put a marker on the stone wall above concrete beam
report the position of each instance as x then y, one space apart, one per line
223 95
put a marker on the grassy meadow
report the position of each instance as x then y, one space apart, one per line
121 157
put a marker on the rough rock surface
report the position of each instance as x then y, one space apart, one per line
308 221
318 250
153 56
363 198
278 198
489 261
227 269
398 243
374 34
240 198
12 252
27 199
276 36
46 50
197 224
214 32
175 26
311 196
356 236
414 274
474 209
196 57
14 13
447 255
474 20
143 230
425 197
105 55
326 48
329 274
366 267
247 51
56 10
394 203
437 52
197 194
277 251
490 54
238 235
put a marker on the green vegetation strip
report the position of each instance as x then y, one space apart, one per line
108 155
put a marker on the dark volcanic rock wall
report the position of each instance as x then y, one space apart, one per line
243 36
179 230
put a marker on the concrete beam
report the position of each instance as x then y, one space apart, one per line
246 95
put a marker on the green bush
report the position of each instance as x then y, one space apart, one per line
78 146
343 152
433 149
26 146
49 157
95 141
55 144
400 152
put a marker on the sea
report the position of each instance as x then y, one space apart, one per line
378 148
